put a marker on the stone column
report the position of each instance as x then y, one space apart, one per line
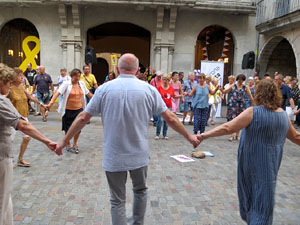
164 59
170 59
70 56
64 54
157 51
78 48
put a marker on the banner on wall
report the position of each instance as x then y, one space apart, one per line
30 55
214 69
114 60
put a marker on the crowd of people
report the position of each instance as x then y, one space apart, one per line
253 105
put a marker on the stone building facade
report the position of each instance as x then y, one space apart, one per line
168 30
279 37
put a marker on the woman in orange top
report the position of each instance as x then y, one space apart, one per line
73 103
19 96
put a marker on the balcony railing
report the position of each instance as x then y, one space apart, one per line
148 2
270 9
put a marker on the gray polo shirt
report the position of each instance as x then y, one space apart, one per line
9 117
126 105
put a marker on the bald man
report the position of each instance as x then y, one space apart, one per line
42 82
126 105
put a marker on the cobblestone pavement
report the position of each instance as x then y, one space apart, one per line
72 189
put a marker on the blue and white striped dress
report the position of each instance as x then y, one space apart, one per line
259 158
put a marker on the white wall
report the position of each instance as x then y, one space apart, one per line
189 24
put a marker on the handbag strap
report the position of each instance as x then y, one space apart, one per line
88 82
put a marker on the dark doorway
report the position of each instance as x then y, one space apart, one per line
11 37
100 70
282 60
215 43
119 38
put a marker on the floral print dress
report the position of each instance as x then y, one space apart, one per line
236 102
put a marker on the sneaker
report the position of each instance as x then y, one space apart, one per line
157 138
166 137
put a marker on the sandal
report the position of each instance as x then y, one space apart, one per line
67 148
191 123
237 138
76 150
23 163
230 139
44 119
71 149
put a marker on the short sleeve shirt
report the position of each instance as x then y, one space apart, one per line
42 81
89 80
30 76
126 105
9 118
156 83
286 95
188 87
166 95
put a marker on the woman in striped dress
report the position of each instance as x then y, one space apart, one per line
265 129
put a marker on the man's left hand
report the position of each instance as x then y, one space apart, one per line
58 149
193 139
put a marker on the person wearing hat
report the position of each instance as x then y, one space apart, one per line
251 86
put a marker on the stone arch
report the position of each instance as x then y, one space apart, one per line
267 53
216 47
12 34
111 36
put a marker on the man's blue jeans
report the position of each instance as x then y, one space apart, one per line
161 121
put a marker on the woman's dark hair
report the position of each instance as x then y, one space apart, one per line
113 73
74 72
242 76
174 73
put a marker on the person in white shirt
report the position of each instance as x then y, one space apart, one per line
60 80
74 102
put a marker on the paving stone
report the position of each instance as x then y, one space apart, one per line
72 189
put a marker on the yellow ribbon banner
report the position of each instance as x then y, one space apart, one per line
30 54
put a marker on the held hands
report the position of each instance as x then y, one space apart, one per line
48 106
59 148
44 106
194 140
52 146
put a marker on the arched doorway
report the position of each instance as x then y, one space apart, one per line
215 43
278 56
118 38
11 37
100 70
